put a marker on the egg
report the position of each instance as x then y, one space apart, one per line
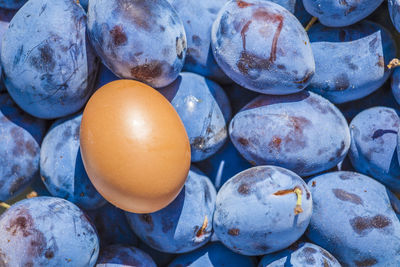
134 146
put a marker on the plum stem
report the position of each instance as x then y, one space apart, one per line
298 208
393 63
309 25
4 205
298 192
202 230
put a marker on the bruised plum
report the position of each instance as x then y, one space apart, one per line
138 39
302 132
339 13
262 210
61 165
204 110
354 220
20 139
123 256
300 254
49 67
358 67
374 143
185 224
47 231
262 47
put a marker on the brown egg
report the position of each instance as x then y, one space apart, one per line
134 146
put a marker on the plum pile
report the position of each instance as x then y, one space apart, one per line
292 117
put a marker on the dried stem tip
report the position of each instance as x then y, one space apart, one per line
202 230
393 63
4 205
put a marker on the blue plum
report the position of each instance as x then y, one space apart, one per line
142 39
204 110
124 256
50 73
47 231
262 210
185 224
354 220
20 139
339 13
224 164
358 68
373 145
287 131
300 254
112 226
197 18
212 255
12 4
61 166
262 47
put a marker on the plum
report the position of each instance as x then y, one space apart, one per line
61 166
262 47
287 131
204 110
138 39
185 224
47 231
262 210
49 71
374 143
354 220
358 68
20 139
339 13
